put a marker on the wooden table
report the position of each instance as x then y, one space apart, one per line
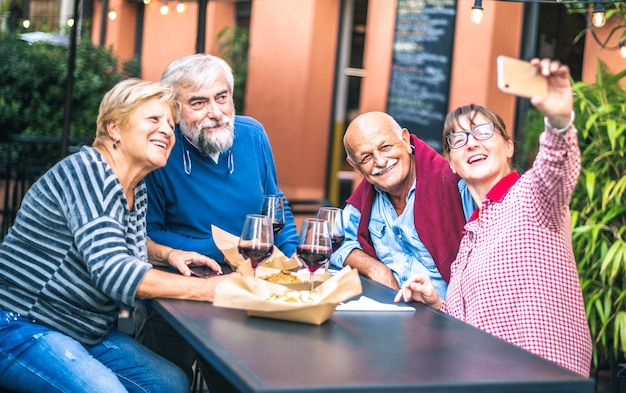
363 352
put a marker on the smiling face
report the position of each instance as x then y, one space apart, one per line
207 116
381 151
482 163
148 136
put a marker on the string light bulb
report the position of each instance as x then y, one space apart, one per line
146 2
70 22
476 14
164 9
26 23
180 7
112 15
597 18
622 48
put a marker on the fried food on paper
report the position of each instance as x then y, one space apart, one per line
283 278
295 297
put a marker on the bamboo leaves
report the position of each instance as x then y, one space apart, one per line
598 208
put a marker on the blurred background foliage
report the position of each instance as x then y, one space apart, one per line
33 79
233 47
598 208
33 84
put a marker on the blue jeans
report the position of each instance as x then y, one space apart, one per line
34 358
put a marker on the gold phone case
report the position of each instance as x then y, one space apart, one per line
520 78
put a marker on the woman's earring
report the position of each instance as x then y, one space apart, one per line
115 144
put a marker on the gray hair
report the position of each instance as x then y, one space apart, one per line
194 71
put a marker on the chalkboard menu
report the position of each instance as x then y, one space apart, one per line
420 72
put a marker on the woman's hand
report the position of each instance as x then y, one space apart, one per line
558 103
421 289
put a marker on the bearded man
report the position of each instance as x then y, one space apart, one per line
217 173
407 214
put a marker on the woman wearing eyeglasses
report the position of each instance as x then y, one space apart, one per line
515 275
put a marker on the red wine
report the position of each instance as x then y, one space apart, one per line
277 226
256 253
337 241
313 256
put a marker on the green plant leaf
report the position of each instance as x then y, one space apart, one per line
598 208
590 184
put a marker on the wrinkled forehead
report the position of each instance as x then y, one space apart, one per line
370 137
204 90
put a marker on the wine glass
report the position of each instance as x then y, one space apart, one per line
334 216
314 245
257 239
273 207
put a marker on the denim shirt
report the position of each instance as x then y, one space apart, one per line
395 238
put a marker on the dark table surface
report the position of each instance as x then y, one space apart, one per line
363 351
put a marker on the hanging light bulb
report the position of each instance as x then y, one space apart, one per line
180 7
26 23
164 9
146 2
476 14
597 18
622 48
70 22
112 15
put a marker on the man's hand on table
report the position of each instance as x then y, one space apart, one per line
371 267
382 274
185 261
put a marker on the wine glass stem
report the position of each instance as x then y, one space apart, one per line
311 281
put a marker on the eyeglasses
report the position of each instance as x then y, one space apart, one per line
481 132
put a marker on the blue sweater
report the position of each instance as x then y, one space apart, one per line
192 192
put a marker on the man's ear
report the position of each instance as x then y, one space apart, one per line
352 164
406 137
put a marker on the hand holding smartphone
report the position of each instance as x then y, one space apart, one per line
202 271
520 78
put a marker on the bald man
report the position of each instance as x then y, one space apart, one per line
407 214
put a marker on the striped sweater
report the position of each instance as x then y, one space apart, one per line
75 252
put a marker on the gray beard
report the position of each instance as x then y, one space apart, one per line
210 143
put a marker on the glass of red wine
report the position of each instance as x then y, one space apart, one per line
334 216
314 245
273 207
257 239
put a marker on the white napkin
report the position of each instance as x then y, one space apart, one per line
365 303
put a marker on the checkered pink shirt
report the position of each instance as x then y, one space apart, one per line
515 275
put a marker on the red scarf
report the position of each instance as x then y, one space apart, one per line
438 209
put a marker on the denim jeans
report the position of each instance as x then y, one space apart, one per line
154 332
34 358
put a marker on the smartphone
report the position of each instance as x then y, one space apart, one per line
520 78
202 271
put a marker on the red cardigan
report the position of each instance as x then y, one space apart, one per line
439 217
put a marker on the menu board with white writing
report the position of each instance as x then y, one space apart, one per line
420 73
